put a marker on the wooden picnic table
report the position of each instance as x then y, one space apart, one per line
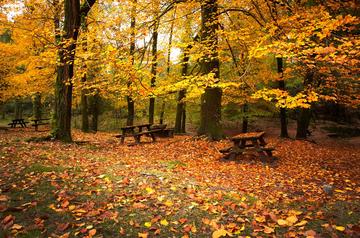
130 131
20 122
40 121
241 145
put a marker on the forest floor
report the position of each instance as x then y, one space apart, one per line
177 187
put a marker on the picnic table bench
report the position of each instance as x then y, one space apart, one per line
20 122
240 145
39 122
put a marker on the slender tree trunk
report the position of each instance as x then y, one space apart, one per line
36 106
283 117
130 101
180 109
94 108
84 110
180 113
84 99
245 121
162 111
18 109
210 115
153 69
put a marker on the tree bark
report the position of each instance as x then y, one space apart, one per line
84 99
153 66
36 106
210 115
18 109
180 121
130 101
304 116
94 109
303 122
65 69
283 117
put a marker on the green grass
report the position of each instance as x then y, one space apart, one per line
39 168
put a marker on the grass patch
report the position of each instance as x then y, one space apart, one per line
173 164
39 168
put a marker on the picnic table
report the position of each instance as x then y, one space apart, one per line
40 121
20 122
241 145
136 131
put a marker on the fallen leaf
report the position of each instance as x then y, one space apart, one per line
302 223
340 228
92 232
268 230
220 233
282 222
143 235
164 222
16 227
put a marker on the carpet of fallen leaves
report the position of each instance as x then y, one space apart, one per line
177 187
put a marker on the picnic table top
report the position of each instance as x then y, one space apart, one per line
248 136
41 119
19 119
134 126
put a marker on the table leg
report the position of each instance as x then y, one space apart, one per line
262 141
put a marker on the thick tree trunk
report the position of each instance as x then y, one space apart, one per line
36 101
210 115
303 122
304 116
130 101
65 70
283 117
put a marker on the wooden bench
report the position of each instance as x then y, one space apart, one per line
151 133
39 122
164 132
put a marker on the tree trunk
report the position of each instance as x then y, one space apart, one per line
18 109
94 108
153 67
245 121
84 99
303 122
130 101
36 106
180 109
65 70
210 115
84 110
283 118
180 113
162 112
